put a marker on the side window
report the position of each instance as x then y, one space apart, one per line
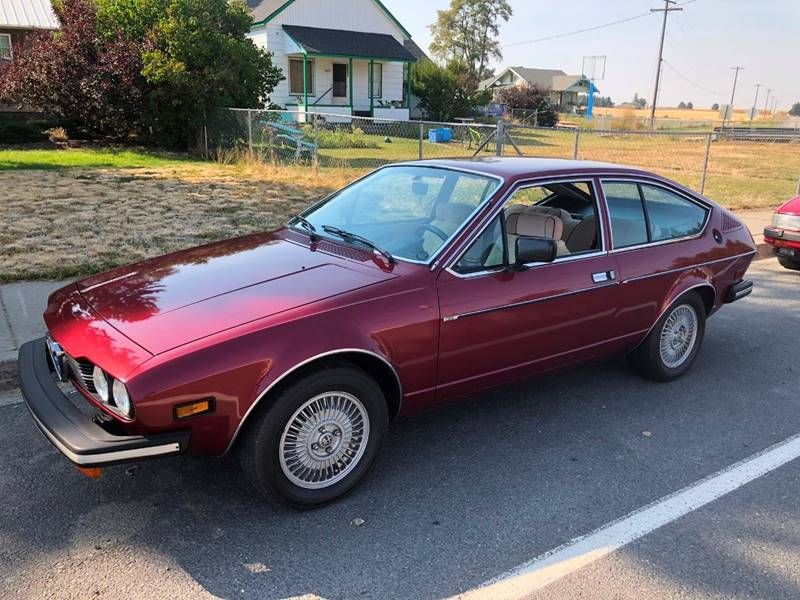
485 253
526 214
626 212
671 216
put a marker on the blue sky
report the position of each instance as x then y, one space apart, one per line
702 43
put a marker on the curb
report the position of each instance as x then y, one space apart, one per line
8 375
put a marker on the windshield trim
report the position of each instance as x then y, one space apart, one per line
431 259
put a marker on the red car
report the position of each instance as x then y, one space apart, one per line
413 287
784 234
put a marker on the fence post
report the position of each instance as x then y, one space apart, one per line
705 163
272 158
577 143
249 133
421 137
501 134
798 187
315 153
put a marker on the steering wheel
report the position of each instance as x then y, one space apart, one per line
434 230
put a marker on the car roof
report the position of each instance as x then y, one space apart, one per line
520 167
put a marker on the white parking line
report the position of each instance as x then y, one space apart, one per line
580 552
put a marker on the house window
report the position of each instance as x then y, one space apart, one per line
5 46
296 76
377 80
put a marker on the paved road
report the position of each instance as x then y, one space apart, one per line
458 497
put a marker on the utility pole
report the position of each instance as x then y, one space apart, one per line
766 101
733 93
755 102
666 10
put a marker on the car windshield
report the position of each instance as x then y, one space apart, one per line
411 212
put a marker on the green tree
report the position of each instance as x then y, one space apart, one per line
715 106
195 57
795 110
467 33
441 96
531 98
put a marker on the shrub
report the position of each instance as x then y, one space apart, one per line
532 98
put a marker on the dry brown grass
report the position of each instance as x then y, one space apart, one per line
62 223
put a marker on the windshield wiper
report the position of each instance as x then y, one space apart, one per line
354 237
307 225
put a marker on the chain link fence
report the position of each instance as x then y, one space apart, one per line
738 172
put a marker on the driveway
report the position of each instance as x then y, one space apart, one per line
459 497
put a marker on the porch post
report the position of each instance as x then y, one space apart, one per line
305 84
350 81
408 86
371 88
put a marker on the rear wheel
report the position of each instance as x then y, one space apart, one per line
318 439
672 346
789 263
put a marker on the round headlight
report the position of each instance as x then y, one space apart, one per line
121 398
100 383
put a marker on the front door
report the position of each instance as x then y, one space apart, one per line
500 323
339 80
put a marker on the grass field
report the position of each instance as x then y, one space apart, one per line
74 212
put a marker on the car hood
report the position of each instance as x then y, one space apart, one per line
175 299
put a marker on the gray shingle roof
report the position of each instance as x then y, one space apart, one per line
27 14
349 43
261 9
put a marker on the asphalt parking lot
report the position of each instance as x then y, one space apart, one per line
459 497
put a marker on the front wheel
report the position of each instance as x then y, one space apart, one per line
672 346
318 439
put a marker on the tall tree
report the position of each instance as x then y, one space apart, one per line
467 33
795 110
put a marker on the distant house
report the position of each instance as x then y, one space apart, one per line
349 57
18 18
563 89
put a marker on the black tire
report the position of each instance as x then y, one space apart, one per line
259 450
647 359
788 263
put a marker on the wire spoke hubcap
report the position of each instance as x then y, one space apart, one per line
324 440
678 336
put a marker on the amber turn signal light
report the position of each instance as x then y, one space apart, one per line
91 472
192 409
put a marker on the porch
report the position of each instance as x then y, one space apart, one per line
347 73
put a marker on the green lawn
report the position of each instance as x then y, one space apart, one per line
88 159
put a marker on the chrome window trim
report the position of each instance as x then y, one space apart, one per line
481 311
521 185
305 362
654 183
431 259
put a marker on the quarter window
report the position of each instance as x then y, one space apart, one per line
485 253
671 216
626 212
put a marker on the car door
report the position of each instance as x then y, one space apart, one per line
500 323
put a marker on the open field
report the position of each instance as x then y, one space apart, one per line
65 222
74 212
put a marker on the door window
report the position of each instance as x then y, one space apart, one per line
626 212
339 80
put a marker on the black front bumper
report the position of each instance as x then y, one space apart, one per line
79 438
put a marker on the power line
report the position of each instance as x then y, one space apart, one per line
689 81
586 29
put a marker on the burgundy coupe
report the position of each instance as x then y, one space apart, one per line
412 287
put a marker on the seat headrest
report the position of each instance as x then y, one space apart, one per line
535 224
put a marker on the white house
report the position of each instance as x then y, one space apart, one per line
563 89
343 57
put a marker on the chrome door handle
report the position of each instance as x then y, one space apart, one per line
604 276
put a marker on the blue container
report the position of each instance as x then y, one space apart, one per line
440 136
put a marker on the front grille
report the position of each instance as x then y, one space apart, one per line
82 370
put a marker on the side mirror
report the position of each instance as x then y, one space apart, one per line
535 249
